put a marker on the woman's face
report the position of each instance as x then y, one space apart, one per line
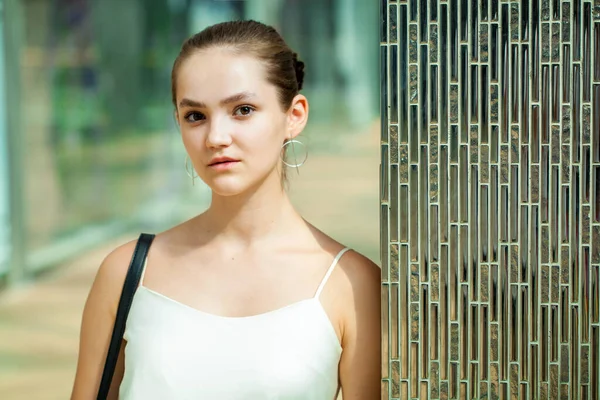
231 121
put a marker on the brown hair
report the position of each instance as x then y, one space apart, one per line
283 69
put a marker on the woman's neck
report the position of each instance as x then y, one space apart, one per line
253 216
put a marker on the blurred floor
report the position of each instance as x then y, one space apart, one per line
39 325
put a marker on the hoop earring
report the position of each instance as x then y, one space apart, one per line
293 150
191 175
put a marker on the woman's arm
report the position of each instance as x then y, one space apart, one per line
97 324
360 365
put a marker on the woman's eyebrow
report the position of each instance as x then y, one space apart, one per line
231 99
237 97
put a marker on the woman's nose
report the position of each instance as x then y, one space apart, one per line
218 134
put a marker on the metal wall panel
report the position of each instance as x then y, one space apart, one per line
490 199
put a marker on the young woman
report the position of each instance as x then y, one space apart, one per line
246 301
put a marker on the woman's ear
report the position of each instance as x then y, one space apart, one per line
297 116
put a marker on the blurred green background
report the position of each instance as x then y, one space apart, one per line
90 154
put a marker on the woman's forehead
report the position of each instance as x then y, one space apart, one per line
216 67
215 74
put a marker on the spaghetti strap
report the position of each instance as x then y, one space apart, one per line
329 271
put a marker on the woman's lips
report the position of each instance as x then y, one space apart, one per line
223 165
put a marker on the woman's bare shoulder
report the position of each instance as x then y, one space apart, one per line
363 275
354 263
112 271
116 263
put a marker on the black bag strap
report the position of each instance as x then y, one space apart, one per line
130 285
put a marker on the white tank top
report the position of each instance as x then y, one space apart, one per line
176 352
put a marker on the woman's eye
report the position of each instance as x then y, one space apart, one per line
244 110
194 117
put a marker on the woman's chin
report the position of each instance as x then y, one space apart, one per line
236 184
227 186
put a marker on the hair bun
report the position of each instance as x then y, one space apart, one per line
299 68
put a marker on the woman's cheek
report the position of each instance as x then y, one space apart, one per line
193 140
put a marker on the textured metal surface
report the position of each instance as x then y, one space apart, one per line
490 199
